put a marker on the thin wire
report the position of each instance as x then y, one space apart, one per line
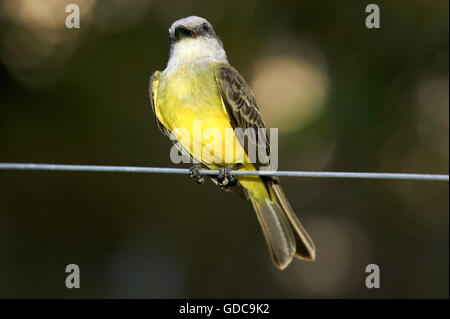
165 170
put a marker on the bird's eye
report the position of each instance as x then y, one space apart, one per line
205 27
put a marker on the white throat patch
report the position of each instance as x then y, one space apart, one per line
191 49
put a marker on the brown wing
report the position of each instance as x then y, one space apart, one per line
240 104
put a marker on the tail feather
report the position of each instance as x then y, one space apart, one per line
304 244
277 231
285 235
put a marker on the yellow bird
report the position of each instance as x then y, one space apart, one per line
199 92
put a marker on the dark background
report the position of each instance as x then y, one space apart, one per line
344 97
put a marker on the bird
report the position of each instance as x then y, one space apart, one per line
199 86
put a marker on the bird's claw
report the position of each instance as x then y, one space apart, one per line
194 173
225 179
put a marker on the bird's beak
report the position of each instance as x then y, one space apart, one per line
182 32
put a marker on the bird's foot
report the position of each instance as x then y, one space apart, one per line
225 179
194 173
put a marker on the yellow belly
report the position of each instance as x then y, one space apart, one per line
190 105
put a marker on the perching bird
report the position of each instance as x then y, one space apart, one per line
199 87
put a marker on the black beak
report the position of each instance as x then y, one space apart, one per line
183 32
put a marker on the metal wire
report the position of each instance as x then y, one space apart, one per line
165 170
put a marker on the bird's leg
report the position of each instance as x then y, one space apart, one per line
225 179
194 173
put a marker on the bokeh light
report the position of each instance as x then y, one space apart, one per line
291 88
36 42
433 113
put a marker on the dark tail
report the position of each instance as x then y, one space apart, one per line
285 235
304 244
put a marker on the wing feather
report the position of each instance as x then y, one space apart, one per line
240 105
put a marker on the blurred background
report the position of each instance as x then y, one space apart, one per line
344 97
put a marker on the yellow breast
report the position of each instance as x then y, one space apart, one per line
189 103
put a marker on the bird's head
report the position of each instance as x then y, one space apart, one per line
194 37
190 28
